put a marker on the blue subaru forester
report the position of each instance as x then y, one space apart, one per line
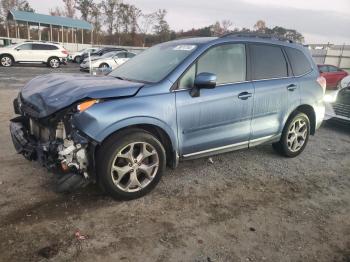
178 100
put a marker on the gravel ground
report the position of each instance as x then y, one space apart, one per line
250 205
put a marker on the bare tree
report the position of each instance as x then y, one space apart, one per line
69 7
260 26
95 20
146 22
226 26
85 8
161 28
7 5
56 11
110 10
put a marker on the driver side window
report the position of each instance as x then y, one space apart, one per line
25 47
227 62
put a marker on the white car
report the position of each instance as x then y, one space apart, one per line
33 52
109 60
76 56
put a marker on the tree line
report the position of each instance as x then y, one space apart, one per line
119 23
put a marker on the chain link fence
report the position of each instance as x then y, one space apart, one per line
337 55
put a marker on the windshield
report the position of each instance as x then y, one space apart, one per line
155 63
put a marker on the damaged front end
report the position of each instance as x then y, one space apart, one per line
55 143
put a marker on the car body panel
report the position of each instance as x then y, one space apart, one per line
215 120
50 93
103 119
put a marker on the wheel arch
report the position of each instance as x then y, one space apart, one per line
163 134
310 112
48 60
8 54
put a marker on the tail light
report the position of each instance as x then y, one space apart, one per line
65 52
322 82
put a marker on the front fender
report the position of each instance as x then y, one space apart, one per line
108 117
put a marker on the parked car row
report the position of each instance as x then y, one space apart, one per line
54 55
110 60
77 56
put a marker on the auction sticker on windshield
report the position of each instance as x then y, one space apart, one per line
185 47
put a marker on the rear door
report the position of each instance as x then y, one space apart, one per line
219 119
276 91
41 52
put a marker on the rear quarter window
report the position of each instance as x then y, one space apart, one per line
299 63
268 62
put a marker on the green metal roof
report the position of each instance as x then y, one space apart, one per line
49 20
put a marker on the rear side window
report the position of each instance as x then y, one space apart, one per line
268 62
333 69
300 64
323 69
44 47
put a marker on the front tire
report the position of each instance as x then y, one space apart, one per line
130 164
6 61
77 59
104 65
295 136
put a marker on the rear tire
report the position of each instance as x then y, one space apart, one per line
6 61
295 136
130 164
53 62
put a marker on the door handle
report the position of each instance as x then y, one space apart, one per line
291 87
244 95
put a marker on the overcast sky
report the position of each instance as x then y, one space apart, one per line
320 21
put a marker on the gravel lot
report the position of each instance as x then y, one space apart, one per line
250 205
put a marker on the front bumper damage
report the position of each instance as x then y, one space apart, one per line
66 155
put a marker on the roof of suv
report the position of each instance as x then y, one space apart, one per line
238 38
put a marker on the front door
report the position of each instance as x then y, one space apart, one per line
219 119
24 53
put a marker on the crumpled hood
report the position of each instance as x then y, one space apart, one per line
48 94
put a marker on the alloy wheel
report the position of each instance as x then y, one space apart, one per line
6 61
135 166
297 135
54 63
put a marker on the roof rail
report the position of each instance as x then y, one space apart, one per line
257 35
41 41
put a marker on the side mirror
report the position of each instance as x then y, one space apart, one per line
203 80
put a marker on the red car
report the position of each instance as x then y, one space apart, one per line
332 74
